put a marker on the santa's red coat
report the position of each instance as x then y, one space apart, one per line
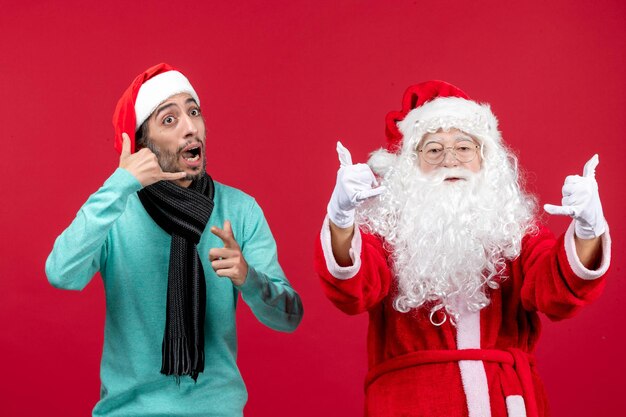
483 366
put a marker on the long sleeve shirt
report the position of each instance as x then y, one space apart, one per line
114 235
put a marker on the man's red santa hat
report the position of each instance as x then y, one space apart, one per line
149 89
428 107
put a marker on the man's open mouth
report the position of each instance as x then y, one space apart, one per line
192 153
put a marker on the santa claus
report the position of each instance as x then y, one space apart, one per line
435 238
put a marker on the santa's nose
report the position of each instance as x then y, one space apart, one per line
449 158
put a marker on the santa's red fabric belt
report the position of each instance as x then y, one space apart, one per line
515 364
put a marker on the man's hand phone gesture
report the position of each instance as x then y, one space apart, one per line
144 165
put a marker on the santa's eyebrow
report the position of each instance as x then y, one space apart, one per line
438 140
458 138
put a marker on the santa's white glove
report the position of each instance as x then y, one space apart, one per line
582 202
355 183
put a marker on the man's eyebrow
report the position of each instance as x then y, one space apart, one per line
162 108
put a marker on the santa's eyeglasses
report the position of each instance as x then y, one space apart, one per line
434 152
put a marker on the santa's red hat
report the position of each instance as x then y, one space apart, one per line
149 89
426 108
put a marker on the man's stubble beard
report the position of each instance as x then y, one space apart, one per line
168 161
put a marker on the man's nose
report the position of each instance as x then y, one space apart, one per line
189 125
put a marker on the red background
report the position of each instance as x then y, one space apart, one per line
280 82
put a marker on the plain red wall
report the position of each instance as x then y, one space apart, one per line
280 82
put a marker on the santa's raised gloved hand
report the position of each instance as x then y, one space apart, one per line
582 202
355 183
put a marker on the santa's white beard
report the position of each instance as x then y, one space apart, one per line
449 240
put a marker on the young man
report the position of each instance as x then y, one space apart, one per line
446 257
175 249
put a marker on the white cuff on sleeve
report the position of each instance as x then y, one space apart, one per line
341 272
572 257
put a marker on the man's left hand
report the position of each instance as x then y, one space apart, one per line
582 202
228 261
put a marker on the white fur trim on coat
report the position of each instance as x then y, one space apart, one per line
341 272
572 257
515 406
473 374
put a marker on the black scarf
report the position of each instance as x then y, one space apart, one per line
183 213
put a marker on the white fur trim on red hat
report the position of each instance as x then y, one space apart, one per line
446 113
158 89
442 113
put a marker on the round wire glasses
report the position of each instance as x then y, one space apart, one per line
434 152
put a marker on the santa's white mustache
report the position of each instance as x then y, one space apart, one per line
442 174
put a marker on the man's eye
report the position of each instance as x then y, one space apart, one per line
434 151
168 120
195 112
463 148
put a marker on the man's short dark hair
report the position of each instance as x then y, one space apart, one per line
141 136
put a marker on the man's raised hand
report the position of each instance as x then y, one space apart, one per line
144 165
355 183
228 261
581 201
